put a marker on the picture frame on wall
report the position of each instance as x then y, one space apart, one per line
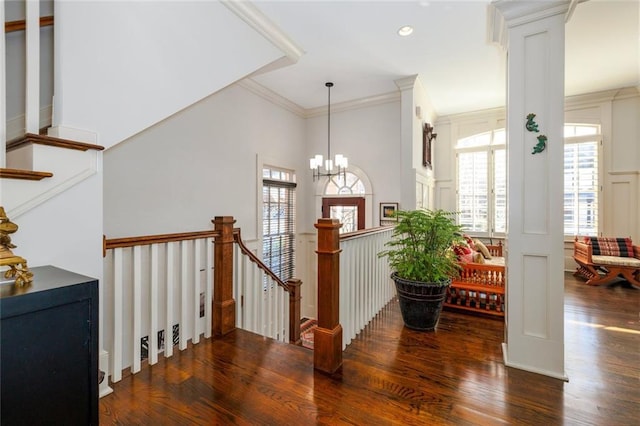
388 212
427 137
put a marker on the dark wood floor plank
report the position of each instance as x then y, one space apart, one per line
395 376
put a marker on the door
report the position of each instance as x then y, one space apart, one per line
348 210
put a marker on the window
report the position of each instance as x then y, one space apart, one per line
482 183
581 143
340 204
278 221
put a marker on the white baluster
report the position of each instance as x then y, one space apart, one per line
196 292
208 295
153 306
137 308
168 327
116 356
184 301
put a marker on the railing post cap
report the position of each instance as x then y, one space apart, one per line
328 223
223 219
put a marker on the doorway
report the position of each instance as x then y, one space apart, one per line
350 211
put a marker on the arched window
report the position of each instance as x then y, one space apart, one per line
349 185
344 199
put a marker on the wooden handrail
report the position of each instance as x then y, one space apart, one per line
23 174
362 232
223 308
21 25
51 141
112 243
237 237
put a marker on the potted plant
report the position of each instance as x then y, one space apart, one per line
423 262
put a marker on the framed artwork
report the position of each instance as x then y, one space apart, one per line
427 137
388 212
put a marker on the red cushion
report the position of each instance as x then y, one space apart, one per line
603 246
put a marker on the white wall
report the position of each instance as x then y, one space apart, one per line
123 66
65 231
177 175
370 137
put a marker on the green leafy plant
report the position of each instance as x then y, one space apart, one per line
421 247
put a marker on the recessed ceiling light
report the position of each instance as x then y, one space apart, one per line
405 31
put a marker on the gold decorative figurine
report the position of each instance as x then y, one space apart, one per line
17 265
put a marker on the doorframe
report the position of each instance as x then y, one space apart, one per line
358 202
368 195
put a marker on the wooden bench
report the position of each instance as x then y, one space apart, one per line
602 267
480 288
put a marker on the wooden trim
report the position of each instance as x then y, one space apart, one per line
223 315
363 232
21 25
358 202
156 239
23 174
327 345
51 141
245 250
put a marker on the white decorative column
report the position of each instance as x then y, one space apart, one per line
534 35
32 94
3 97
407 170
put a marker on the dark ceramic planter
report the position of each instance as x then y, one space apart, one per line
420 303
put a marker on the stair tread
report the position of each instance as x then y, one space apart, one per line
51 141
23 174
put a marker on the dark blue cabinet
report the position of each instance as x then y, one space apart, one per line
49 350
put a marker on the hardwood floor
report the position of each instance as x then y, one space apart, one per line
392 375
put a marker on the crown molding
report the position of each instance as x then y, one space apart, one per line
499 113
271 96
503 14
518 12
406 83
595 98
369 101
257 20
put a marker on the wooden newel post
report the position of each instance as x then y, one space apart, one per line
224 307
327 346
294 309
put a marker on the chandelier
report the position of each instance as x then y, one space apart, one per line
340 163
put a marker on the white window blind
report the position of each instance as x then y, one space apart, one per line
473 197
581 185
482 183
278 225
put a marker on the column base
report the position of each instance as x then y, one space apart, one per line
327 349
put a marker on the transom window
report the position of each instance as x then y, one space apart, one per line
339 201
350 184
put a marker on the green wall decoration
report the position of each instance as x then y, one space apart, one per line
532 126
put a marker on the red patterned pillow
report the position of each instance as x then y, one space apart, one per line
464 253
620 247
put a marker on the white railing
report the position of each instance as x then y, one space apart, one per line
365 283
156 292
262 306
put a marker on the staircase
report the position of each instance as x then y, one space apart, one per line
58 163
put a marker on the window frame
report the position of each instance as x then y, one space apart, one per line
490 149
272 178
597 138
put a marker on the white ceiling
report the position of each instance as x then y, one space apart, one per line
355 45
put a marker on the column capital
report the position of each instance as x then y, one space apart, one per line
504 14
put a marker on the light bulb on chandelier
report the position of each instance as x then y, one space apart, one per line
341 162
